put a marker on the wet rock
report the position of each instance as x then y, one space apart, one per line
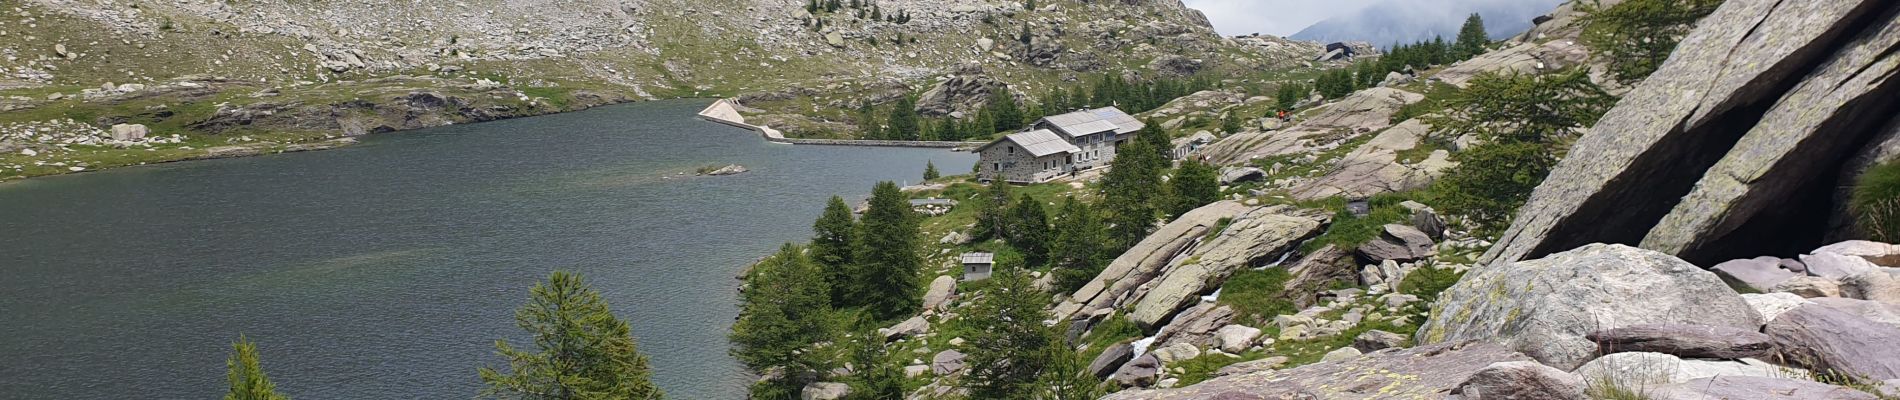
1691 341
1822 338
1545 307
1110 359
1421 372
1521 380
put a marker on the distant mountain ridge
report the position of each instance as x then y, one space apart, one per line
1406 21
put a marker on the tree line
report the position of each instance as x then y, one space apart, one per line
1005 112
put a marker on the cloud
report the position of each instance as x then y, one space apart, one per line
1276 17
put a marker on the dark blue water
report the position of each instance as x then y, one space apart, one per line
389 269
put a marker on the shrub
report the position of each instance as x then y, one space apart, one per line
1876 201
1255 294
1638 35
1523 122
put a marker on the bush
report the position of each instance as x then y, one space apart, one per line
1522 122
1427 282
1876 201
1638 35
1255 294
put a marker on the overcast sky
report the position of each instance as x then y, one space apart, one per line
1276 17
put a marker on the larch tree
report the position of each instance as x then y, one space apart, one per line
889 255
247 376
1130 191
1195 184
784 314
581 350
1029 230
1010 347
1472 38
992 212
831 249
1078 253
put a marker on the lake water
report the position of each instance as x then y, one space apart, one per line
388 269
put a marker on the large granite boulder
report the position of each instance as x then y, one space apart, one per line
1196 327
1875 285
825 391
1521 380
1398 242
1882 254
1692 341
1236 338
1252 238
1771 305
1760 274
1882 313
1363 112
1318 272
1822 338
910 327
940 291
1649 369
1146 259
947 362
1835 267
1754 388
1625 180
1111 358
1375 340
1139 372
1545 308
1375 167
1421 372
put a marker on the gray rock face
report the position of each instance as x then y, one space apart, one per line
1679 126
129 131
1196 326
1521 380
1882 254
964 93
1111 358
1401 243
1810 286
1375 340
1692 341
1363 112
1755 388
1872 285
1175 65
1375 168
947 362
1140 372
1233 175
1545 307
1236 338
940 291
1421 372
1835 266
1250 239
1825 339
1883 313
1248 367
1760 273
910 327
1146 259
1317 272
824 391
1771 305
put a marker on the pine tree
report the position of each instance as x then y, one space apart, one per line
784 314
992 212
247 376
930 171
1522 123
584 351
831 249
888 254
903 121
1029 230
1077 254
812 7
1471 38
880 378
1231 124
1195 184
1010 347
948 129
1003 106
1130 189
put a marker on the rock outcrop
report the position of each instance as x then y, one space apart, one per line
1363 112
1687 163
1649 369
1521 380
962 94
1421 372
1145 260
1247 241
1692 341
1822 338
1755 388
1375 167
1545 308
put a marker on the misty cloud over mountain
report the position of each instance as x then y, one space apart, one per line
1405 21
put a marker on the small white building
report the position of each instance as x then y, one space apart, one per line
1187 145
977 266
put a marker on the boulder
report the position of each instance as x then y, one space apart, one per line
1836 266
1248 367
1177 352
1196 326
1883 313
1882 254
1810 286
1341 354
1145 261
1317 272
1375 340
1110 359
1754 388
1140 372
1521 380
1236 338
1873 286
1174 65
1822 338
1771 305
1420 372
1649 369
1760 274
129 132
947 362
825 391
913 371
1374 167
1666 168
910 327
1397 242
1250 239
1233 175
1545 307
939 293
1425 219
1691 341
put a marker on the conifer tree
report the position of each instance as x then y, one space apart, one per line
903 121
1010 347
948 129
1029 230
1130 190
1009 115
582 351
831 248
888 254
1471 37
784 314
930 171
1195 184
992 212
1077 254
247 376
880 378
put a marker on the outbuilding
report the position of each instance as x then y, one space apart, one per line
977 266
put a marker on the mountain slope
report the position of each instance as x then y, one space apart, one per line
1407 21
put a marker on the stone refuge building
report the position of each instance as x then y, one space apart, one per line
1057 145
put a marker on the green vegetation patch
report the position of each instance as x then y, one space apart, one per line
1877 201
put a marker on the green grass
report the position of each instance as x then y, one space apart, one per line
1877 201
1349 231
1428 281
1255 295
1111 331
1435 96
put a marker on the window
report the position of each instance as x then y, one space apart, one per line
1012 149
996 167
